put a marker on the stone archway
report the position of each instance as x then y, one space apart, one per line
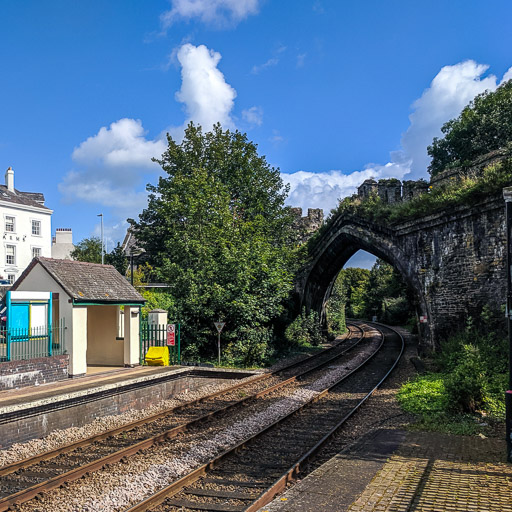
337 245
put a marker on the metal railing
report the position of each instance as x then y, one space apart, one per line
19 343
153 335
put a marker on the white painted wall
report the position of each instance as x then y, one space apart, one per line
22 238
131 335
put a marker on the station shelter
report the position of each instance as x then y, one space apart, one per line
98 307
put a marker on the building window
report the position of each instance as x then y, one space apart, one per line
36 227
9 224
36 252
11 278
10 255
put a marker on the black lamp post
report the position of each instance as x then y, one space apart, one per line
507 195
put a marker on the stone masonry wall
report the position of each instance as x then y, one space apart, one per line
33 372
454 260
460 260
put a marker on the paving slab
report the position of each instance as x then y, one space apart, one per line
399 471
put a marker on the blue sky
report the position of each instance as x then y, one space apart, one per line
332 92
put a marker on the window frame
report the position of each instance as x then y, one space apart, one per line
39 225
13 217
13 255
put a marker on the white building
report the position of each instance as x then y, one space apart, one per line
62 244
26 228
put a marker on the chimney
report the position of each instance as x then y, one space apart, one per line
9 179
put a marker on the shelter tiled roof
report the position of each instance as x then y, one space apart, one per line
87 282
34 199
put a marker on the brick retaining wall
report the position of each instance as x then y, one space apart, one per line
41 421
33 372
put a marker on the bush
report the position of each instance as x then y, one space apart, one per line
467 385
305 330
471 377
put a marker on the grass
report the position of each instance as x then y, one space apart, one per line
464 393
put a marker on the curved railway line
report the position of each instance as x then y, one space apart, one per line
23 480
249 475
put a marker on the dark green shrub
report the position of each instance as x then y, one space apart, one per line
305 329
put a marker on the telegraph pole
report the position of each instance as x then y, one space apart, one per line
507 195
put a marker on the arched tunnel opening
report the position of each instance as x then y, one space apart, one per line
369 288
355 245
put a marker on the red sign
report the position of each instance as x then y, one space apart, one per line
423 319
171 338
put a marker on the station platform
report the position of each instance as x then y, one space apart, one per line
99 379
36 411
399 471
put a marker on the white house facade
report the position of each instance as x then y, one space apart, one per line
25 227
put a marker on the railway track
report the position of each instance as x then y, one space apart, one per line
23 480
249 475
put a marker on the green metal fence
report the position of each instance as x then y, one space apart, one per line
31 343
152 335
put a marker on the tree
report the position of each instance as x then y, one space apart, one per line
483 126
88 249
217 232
117 258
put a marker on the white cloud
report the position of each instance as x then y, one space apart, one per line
507 76
323 190
216 12
122 144
274 61
301 57
111 164
270 63
450 91
114 164
253 115
207 97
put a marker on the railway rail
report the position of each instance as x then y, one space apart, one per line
249 475
23 480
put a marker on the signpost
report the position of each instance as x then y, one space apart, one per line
171 335
219 326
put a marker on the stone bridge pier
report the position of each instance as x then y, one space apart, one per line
453 261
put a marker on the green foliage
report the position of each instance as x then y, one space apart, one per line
466 385
158 299
305 330
483 126
466 191
217 232
336 310
117 259
354 283
425 395
88 249
362 293
471 378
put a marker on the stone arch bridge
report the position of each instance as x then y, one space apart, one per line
454 261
